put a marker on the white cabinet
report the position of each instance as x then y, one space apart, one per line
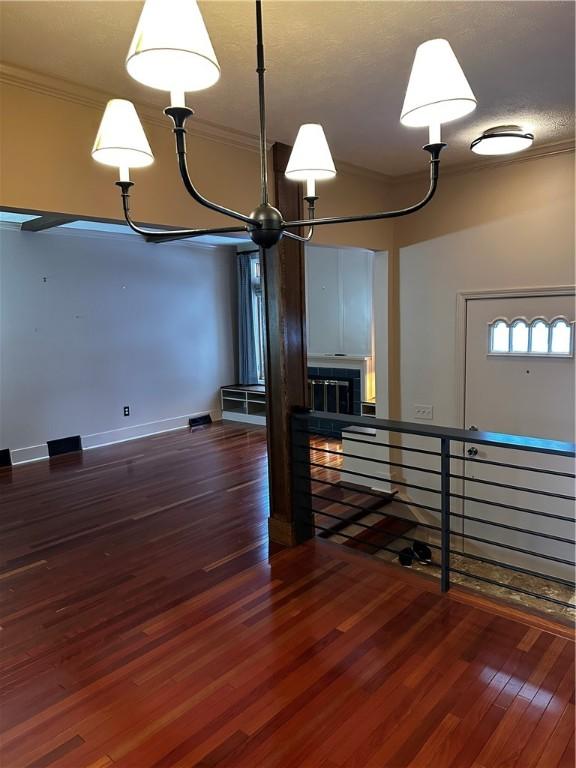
339 300
323 300
244 403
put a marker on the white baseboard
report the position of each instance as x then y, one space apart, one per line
32 453
112 436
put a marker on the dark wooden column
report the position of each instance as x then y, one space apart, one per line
286 363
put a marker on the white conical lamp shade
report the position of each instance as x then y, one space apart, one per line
438 91
121 140
171 48
310 158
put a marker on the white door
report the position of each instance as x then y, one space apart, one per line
520 380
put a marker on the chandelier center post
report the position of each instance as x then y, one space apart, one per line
269 225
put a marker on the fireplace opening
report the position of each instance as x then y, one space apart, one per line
334 390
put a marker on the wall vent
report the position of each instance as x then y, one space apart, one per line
199 421
64 445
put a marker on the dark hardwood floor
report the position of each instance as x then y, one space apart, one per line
144 625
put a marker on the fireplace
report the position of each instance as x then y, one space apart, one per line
334 390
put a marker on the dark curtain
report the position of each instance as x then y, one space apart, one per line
247 367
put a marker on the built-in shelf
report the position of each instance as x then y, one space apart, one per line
248 404
244 403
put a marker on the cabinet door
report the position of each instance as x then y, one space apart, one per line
356 304
324 317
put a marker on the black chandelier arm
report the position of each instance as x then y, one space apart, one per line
304 238
166 236
301 238
179 116
434 150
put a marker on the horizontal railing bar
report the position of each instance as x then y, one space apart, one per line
471 519
515 568
333 429
379 512
363 525
363 474
554 472
353 538
452 569
376 460
521 488
502 505
511 588
370 442
370 492
368 544
516 442
361 489
418 506
512 548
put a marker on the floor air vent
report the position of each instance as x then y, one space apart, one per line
64 445
199 421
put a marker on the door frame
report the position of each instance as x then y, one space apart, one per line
462 299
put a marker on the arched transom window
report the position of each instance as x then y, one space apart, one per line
552 338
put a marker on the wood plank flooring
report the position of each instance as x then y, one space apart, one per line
145 625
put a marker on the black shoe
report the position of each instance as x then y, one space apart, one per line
406 557
422 552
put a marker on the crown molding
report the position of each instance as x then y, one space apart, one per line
95 99
366 173
486 164
149 113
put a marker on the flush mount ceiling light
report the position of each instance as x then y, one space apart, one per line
171 51
502 140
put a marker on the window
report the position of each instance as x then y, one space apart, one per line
499 336
258 316
561 337
540 336
552 338
519 336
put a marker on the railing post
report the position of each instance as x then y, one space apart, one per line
302 514
445 507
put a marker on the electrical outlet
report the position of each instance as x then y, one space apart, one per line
424 412
126 410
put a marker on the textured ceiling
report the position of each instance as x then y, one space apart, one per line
343 64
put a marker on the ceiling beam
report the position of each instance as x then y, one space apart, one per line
47 221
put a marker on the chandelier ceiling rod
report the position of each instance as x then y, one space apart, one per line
171 50
261 69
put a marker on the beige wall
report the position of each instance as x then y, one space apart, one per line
505 226
485 194
47 131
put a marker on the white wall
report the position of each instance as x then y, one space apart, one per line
91 322
529 248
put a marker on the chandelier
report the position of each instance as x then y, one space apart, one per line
171 51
